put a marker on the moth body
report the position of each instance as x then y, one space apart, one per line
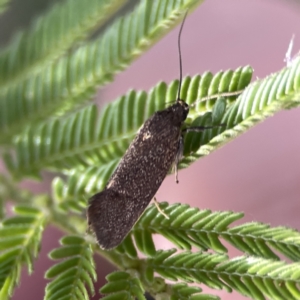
113 212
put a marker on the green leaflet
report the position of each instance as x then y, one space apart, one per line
262 99
182 291
189 227
80 141
50 36
254 277
20 238
121 285
73 273
39 85
72 80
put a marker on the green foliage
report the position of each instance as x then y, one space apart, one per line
20 238
182 291
74 271
254 277
122 286
83 139
260 100
189 227
50 36
73 79
47 75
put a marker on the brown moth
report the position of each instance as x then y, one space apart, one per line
157 146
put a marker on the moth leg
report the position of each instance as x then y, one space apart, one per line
159 209
178 157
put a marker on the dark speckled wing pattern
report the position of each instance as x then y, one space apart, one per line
114 211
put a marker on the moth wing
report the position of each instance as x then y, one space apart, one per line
111 216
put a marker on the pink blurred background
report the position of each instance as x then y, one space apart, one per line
259 172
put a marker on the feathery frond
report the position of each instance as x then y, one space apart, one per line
182 291
189 227
260 100
261 240
71 275
254 277
50 36
126 285
20 238
72 195
283 94
122 285
73 79
45 78
79 141
186 227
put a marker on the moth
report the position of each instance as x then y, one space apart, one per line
157 147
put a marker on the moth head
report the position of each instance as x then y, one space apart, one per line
185 108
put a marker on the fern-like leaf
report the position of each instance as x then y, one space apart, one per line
79 140
20 238
254 277
262 240
73 79
122 285
189 227
73 194
260 100
182 291
50 36
71 275
186 227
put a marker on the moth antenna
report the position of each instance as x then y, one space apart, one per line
179 53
